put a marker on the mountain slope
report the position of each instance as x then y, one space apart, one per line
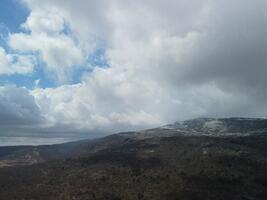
162 163
28 155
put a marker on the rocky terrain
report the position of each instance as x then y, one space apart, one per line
191 160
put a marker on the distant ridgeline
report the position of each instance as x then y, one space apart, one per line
221 126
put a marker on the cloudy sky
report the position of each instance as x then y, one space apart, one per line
82 67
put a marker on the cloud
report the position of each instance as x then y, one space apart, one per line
15 63
167 61
18 110
230 49
45 35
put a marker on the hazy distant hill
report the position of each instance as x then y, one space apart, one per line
192 160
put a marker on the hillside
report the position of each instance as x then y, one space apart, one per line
192 160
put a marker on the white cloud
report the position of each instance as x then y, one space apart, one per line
58 50
15 63
44 22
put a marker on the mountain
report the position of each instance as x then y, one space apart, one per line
28 155
221 127
196 159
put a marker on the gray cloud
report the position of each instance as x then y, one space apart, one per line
231 54
232 47
17 107
19 112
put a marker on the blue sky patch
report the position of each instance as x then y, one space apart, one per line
12 14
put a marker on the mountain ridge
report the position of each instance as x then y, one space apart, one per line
159 164
213 127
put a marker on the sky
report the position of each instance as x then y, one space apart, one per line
90 68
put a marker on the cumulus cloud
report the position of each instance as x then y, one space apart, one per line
17 106
15 63
18 110
167 61
45 35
